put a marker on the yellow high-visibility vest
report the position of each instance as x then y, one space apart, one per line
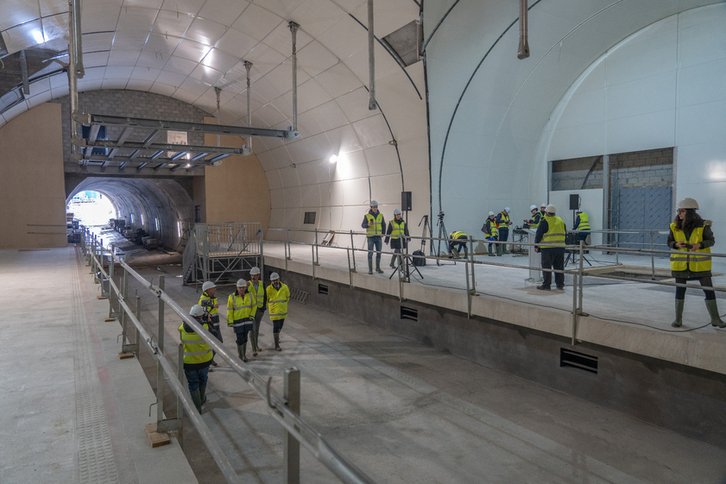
196 350
377 228
505 219
555 235
277 301
690 260
535 220
399 229
456 235
257 293
240 310
584 222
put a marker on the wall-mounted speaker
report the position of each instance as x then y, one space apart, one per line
574 201
406 201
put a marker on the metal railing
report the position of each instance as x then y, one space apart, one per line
579 274
284 409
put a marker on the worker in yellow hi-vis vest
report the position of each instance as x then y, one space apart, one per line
551 234
197 356
375 225
691 237
278 294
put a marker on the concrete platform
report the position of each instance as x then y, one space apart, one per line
72 411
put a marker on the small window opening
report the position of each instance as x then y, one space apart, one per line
322 289
309 218
575 359
409 313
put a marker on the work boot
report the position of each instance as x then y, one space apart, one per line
500 248
393 262
202 393
197 399
679 313
491 252
455 253
713 312
255 347
277 341
241 352
370 266
378 266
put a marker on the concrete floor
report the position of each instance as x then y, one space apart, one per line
401 411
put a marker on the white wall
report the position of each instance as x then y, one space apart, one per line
664 86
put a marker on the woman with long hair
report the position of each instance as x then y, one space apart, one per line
692 238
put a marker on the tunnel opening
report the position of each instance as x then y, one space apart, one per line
91 208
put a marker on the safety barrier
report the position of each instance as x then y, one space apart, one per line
284 409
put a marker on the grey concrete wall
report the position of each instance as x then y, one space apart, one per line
686 400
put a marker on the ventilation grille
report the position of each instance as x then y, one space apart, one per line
575 359
299 296
309 218
322 289
409 313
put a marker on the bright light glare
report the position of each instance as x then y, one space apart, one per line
717 171
189 165
38 36
91 208
334 158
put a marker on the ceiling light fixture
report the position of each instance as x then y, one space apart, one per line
334 158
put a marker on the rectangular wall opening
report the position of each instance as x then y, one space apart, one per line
575 359
409 313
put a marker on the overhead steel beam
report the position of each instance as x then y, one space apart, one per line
149 139
134 154
165 125
124 135
165 147
122 165
94 133
199 156
178 155
293 28
141 165
24 72
156 155
173 168
160 165
523 50
372 105
217 158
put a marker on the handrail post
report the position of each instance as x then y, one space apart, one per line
582 278
289 248
473 277
468 290
111 272
352 247
574 309
179 404
350 272
137 339
124 294
159 368
652 258
317 255
313 251
617 246
290 445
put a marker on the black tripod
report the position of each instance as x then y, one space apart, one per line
425 221
405 265
443 234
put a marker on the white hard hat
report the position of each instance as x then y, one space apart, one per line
208 285
274 276
533 207
550 209
241 283
374 203
397 212
543 205
688 203
197 310
507 209
255 271
579 210
491 213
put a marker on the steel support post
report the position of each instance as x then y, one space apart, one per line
352 248
617 246
574 309
350 272
473 277
523 51
159 369
248 66
317 254
293 28
371 60
313 250
582 278
111 273
124 294
179 404
290 446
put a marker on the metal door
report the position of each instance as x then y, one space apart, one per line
644 208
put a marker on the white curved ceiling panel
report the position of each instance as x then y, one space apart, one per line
343 140
270 115
21 13
329 116
190 7
207 75
136 85
38 99
281 157
350 166
280 39
220 60
289 177
142 3
338 80
123 57
320 146
299 152
56 26
388 16
311 197
114 83
314 59
257 22
385 65
345 38
292 197
236 43
387 191
317 16
313 172
205 31
136 18
294 218
310 95
191 50
277 218
96 59
372 131
51 7
308 125
94 73
277 199
39 87
129 40
90 84
382 160
355 105
145 73
224 12
22 36
99 16
172 23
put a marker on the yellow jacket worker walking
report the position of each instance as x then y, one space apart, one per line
278 294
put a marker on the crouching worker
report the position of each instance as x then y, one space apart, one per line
197 357
241 316
278 294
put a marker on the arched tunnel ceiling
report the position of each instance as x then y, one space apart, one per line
155 198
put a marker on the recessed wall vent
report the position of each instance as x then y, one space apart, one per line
322 289
309 218
575 359
409 313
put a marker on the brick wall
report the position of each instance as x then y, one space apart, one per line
135 104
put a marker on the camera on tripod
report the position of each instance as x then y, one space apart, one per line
441 216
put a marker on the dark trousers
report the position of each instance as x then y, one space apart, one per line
459 246
241 332
196 378
277 325
705 281
503 234
553 260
